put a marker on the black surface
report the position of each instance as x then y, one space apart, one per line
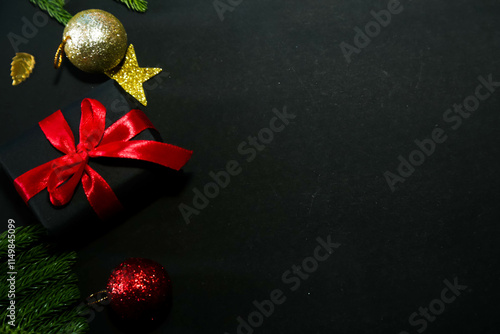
322 175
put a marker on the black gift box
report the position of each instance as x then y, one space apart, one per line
32 149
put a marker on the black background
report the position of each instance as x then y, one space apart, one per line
322 175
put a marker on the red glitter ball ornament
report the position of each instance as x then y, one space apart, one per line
138 287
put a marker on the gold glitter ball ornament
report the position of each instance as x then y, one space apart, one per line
96 41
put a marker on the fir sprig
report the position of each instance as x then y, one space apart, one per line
50 269
32 255
24 237
76 326
137 5
46 290
55 8
56 298
8 329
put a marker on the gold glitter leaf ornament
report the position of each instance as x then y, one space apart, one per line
21 67
131 77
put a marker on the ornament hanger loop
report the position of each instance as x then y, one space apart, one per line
99 300
59 53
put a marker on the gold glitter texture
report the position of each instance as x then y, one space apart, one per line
96 41
22 66
131 77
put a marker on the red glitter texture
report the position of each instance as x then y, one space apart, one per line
138 287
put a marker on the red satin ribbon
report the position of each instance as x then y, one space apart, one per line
61 176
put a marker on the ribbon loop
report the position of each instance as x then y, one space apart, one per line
57 131
92 122
62 175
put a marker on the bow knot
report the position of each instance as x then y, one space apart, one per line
84 148
62 175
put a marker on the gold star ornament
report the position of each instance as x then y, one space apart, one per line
131 77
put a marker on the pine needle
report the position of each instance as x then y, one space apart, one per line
46 291
25 236
61 325
55 8
137 5
8 329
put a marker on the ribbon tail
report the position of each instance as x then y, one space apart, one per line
163 154
34 181
99 194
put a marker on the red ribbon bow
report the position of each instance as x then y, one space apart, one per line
62 175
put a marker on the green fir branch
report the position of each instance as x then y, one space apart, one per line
31 256
24 236
67 322
49 302
23 261
55 8
49 270
137 5
46 292
8 329
35 277
35 292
